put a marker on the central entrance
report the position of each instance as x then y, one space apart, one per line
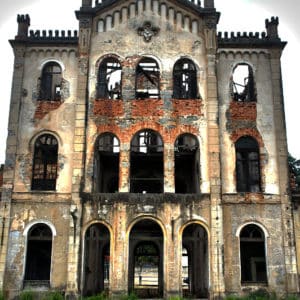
146 260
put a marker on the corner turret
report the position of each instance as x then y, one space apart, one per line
209 3
23 25
272 28
86 3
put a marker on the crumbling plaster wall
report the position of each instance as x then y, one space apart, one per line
261 125
26 213
54 117
120 213
168 116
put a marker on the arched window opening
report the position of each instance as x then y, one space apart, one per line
146 163
38 258
187 173
51 82
147 79
253 258
109 79
146 260
96 260
243 86
107 157
195 262
247 165
185 80
45 157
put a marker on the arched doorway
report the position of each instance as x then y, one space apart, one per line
96 259
146 259
39 250
195 261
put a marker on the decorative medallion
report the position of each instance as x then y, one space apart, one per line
148 31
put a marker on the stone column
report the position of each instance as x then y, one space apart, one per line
10 162
292 284
79 148
213 142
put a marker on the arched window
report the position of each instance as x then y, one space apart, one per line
106 175
253 257
243 85
187 173
109 79
247 165
185 80
146 163
51 82
44 171
39 249
147 79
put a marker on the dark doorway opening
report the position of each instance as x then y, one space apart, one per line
38 258
195 262
146 260
96 260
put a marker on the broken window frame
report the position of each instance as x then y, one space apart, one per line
51 82
248 173
110 71
107 155
248 94
44 167
147 79
38 255
187 148
185 80
146 147
252 242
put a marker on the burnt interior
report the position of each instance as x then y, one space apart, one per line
146 163
253 260
187 173
107 156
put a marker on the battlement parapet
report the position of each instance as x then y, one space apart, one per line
53 35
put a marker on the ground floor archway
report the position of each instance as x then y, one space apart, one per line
145 269
195 276
96 259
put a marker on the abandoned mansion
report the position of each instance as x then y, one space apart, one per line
147 153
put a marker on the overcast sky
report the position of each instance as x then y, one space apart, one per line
236 15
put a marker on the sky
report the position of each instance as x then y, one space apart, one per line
236 15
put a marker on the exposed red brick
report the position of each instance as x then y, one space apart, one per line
108 108
147 107
187 107
253 132
244 111
44 107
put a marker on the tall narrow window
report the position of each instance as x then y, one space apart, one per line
51 82
253 258
38 258
109 79
106 175
243 87
187 173
185 80
45 163
147 79
146 163
247 165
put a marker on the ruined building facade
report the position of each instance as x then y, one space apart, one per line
147 153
